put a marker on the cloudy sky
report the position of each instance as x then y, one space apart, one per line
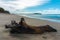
31 6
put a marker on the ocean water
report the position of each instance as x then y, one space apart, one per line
49 17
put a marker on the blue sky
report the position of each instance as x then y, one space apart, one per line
31 6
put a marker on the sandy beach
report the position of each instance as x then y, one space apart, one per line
4 33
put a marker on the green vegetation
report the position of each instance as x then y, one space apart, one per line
4 11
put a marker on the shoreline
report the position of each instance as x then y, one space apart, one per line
50 20
6 19
41 22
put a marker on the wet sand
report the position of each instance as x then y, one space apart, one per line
5 35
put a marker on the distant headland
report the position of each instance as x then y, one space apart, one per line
38 13
2 10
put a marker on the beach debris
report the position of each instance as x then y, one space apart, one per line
44 37
24 28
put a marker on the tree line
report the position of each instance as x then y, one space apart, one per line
4 11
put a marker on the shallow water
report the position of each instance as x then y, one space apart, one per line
49 17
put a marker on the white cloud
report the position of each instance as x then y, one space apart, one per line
20 4
50 11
